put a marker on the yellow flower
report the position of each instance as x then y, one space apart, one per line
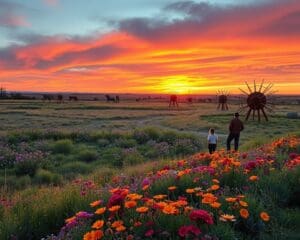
130 204
215 187
227 218
98 224
264 216
215 205
243 203
142 209
244 213
253 178
96 203
100 211
114 208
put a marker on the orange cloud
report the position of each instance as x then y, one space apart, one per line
211 48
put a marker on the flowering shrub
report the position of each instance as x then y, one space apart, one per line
190 199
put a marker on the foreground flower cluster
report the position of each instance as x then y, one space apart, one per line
189 199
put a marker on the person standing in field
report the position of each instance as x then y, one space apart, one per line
235 127
212 140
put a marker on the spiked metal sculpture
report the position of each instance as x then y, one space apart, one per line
259 100
222 97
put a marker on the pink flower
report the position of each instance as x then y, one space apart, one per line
202 216
149 233
185 231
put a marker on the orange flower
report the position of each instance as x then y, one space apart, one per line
170 210
142 209
96 203
71 219
116 224
161 205
100 211
243 203
215 205
264 216
208 198
230 199
244 213
114 208
130 204
121 228
190 190
134 196
145 187
93 235
98 224
172 188
188 209
215 187
179 203
227 218
216 181
253 178
159 197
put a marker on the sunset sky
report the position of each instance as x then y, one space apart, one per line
149 46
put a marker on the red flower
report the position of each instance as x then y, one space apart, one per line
201 215
149 233
185 231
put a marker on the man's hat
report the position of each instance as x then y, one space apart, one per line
236 114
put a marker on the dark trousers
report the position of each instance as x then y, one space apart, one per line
236 137
212 148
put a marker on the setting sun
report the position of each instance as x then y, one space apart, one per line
178 85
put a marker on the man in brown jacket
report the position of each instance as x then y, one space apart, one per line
235 127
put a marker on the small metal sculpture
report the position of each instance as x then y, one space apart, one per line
222 97
259 100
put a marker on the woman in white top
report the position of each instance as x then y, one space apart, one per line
212 140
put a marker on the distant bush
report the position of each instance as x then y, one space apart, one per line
87 155
74 168
112 156
132 157
46 177
292 115
102 142
64 146
125 142
28 167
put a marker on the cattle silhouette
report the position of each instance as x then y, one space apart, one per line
173 101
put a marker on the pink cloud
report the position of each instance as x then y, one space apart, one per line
51 2
8 20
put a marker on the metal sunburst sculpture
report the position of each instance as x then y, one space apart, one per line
222 97
259 100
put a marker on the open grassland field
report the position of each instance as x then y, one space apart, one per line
63 156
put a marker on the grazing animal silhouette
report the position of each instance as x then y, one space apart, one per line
173 101
47 97
73 98
60 98
109 98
